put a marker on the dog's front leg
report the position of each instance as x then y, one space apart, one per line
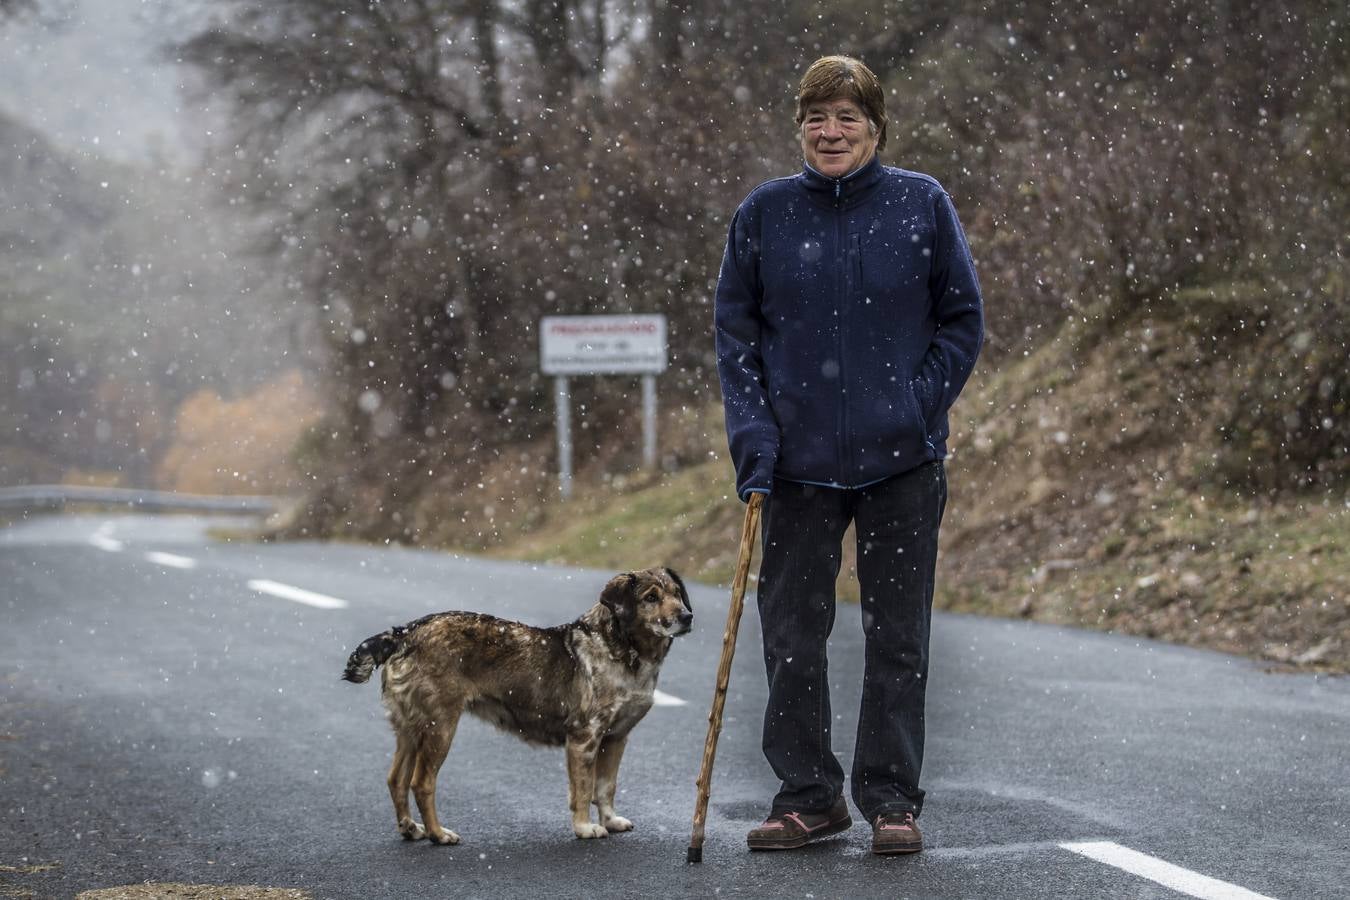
607 782
581 752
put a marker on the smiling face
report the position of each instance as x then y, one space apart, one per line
837 137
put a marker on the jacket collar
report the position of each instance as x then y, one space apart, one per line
845 190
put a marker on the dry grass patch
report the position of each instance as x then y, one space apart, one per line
173 891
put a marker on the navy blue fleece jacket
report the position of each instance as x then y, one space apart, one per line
848 318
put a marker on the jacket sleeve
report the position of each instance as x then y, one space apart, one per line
752 430
959 310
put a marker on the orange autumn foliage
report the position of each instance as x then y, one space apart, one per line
240 446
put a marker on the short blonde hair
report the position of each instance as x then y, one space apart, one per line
843 77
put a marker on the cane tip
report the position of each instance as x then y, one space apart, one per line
695 855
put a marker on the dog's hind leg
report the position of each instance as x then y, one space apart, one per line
431 752
400 779
607 782
581 753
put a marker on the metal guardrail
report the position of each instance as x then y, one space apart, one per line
57 496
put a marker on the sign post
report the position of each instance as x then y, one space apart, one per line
601 345
649 421
562 402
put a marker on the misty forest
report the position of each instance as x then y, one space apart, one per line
304 248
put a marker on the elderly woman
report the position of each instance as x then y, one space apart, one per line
848 318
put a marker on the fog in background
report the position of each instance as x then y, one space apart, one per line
131 299
91 77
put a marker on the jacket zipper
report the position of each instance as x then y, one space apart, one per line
841 239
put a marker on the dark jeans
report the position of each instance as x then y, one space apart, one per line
897 526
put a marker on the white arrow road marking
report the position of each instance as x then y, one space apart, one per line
661 698
1185 881
299 595
171 559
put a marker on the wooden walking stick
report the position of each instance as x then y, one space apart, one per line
695 854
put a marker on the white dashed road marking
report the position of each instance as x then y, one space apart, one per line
172 560
661 698
1185 881
299 595
103 542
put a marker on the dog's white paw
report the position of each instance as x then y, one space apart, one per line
411 831
618 823
589 830
446 839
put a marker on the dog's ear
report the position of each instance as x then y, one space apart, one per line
618 596
679 583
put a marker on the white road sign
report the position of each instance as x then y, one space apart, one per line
602 345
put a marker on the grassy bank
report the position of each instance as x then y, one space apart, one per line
1267 580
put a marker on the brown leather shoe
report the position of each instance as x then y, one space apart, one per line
896 833
787 831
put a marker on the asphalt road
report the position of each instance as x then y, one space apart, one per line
163 719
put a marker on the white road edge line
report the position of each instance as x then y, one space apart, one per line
299 595
172 560
103 542
661 698
1185 881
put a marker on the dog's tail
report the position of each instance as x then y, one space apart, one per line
373 652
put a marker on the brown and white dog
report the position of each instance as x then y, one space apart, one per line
583 685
